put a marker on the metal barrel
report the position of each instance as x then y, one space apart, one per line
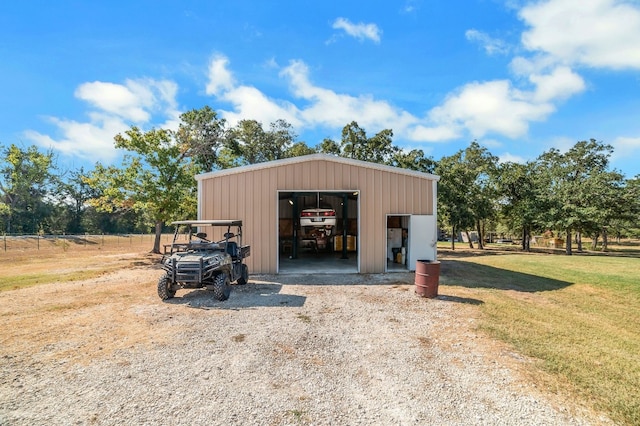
427 278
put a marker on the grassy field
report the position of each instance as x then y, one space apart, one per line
577 317
28 261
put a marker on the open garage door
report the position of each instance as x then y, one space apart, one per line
318 232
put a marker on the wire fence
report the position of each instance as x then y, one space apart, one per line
20 242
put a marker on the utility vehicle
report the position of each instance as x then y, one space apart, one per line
194 261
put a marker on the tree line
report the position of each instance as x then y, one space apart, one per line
575 193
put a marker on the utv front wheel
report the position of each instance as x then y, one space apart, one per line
165 288
221 287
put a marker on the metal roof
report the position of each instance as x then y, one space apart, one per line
316 157
234 222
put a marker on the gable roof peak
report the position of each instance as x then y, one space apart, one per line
316 157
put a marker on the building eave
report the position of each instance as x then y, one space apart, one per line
316 157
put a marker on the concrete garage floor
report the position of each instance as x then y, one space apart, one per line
326 263
309 262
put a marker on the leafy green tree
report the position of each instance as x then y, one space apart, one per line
329 146
156 179
353 138
482 193
203 135
249 143
571 182
455 210
518 200
412 160
610 204
377 149
72 196
27 177
299 149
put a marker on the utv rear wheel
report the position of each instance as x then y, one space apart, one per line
221 287
165 288
244 275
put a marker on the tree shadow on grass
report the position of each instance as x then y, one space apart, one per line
473 275
463 300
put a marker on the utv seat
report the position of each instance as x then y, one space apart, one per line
232 249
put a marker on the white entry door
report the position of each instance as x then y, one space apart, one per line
423 239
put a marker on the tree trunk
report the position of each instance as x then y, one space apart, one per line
453 237
594 243
526 239
466 231
156 242
479 229
605 239
568 243
579 241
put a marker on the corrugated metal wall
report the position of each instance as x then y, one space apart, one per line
252 196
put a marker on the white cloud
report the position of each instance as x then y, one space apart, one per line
126 101
493 106
220 79
481 108
490 45
361 31
115 108
561 83
436 133
511 158
322 107
92 141
327 107
597 33
250 103
625 148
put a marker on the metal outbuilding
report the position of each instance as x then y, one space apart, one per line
386 216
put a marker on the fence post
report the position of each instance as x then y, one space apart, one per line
5 240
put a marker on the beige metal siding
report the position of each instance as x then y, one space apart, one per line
252 196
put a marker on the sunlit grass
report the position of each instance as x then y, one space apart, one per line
578 315
15 282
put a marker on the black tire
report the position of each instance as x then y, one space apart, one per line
221 287
165 288
244 275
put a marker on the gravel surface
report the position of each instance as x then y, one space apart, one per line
283 350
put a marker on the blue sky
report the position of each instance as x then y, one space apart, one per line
520 77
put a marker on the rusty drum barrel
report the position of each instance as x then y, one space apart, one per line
427 278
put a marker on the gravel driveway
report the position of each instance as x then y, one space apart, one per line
283 350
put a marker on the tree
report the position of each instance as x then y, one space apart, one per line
353 138
482 193
329 146
203 135
412 160
356 145
466 192
571 184
157 179
518 199
26 179
454 207
248 143
72 197
299 149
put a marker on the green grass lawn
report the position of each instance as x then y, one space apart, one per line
579 316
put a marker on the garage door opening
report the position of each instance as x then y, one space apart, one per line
318 232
